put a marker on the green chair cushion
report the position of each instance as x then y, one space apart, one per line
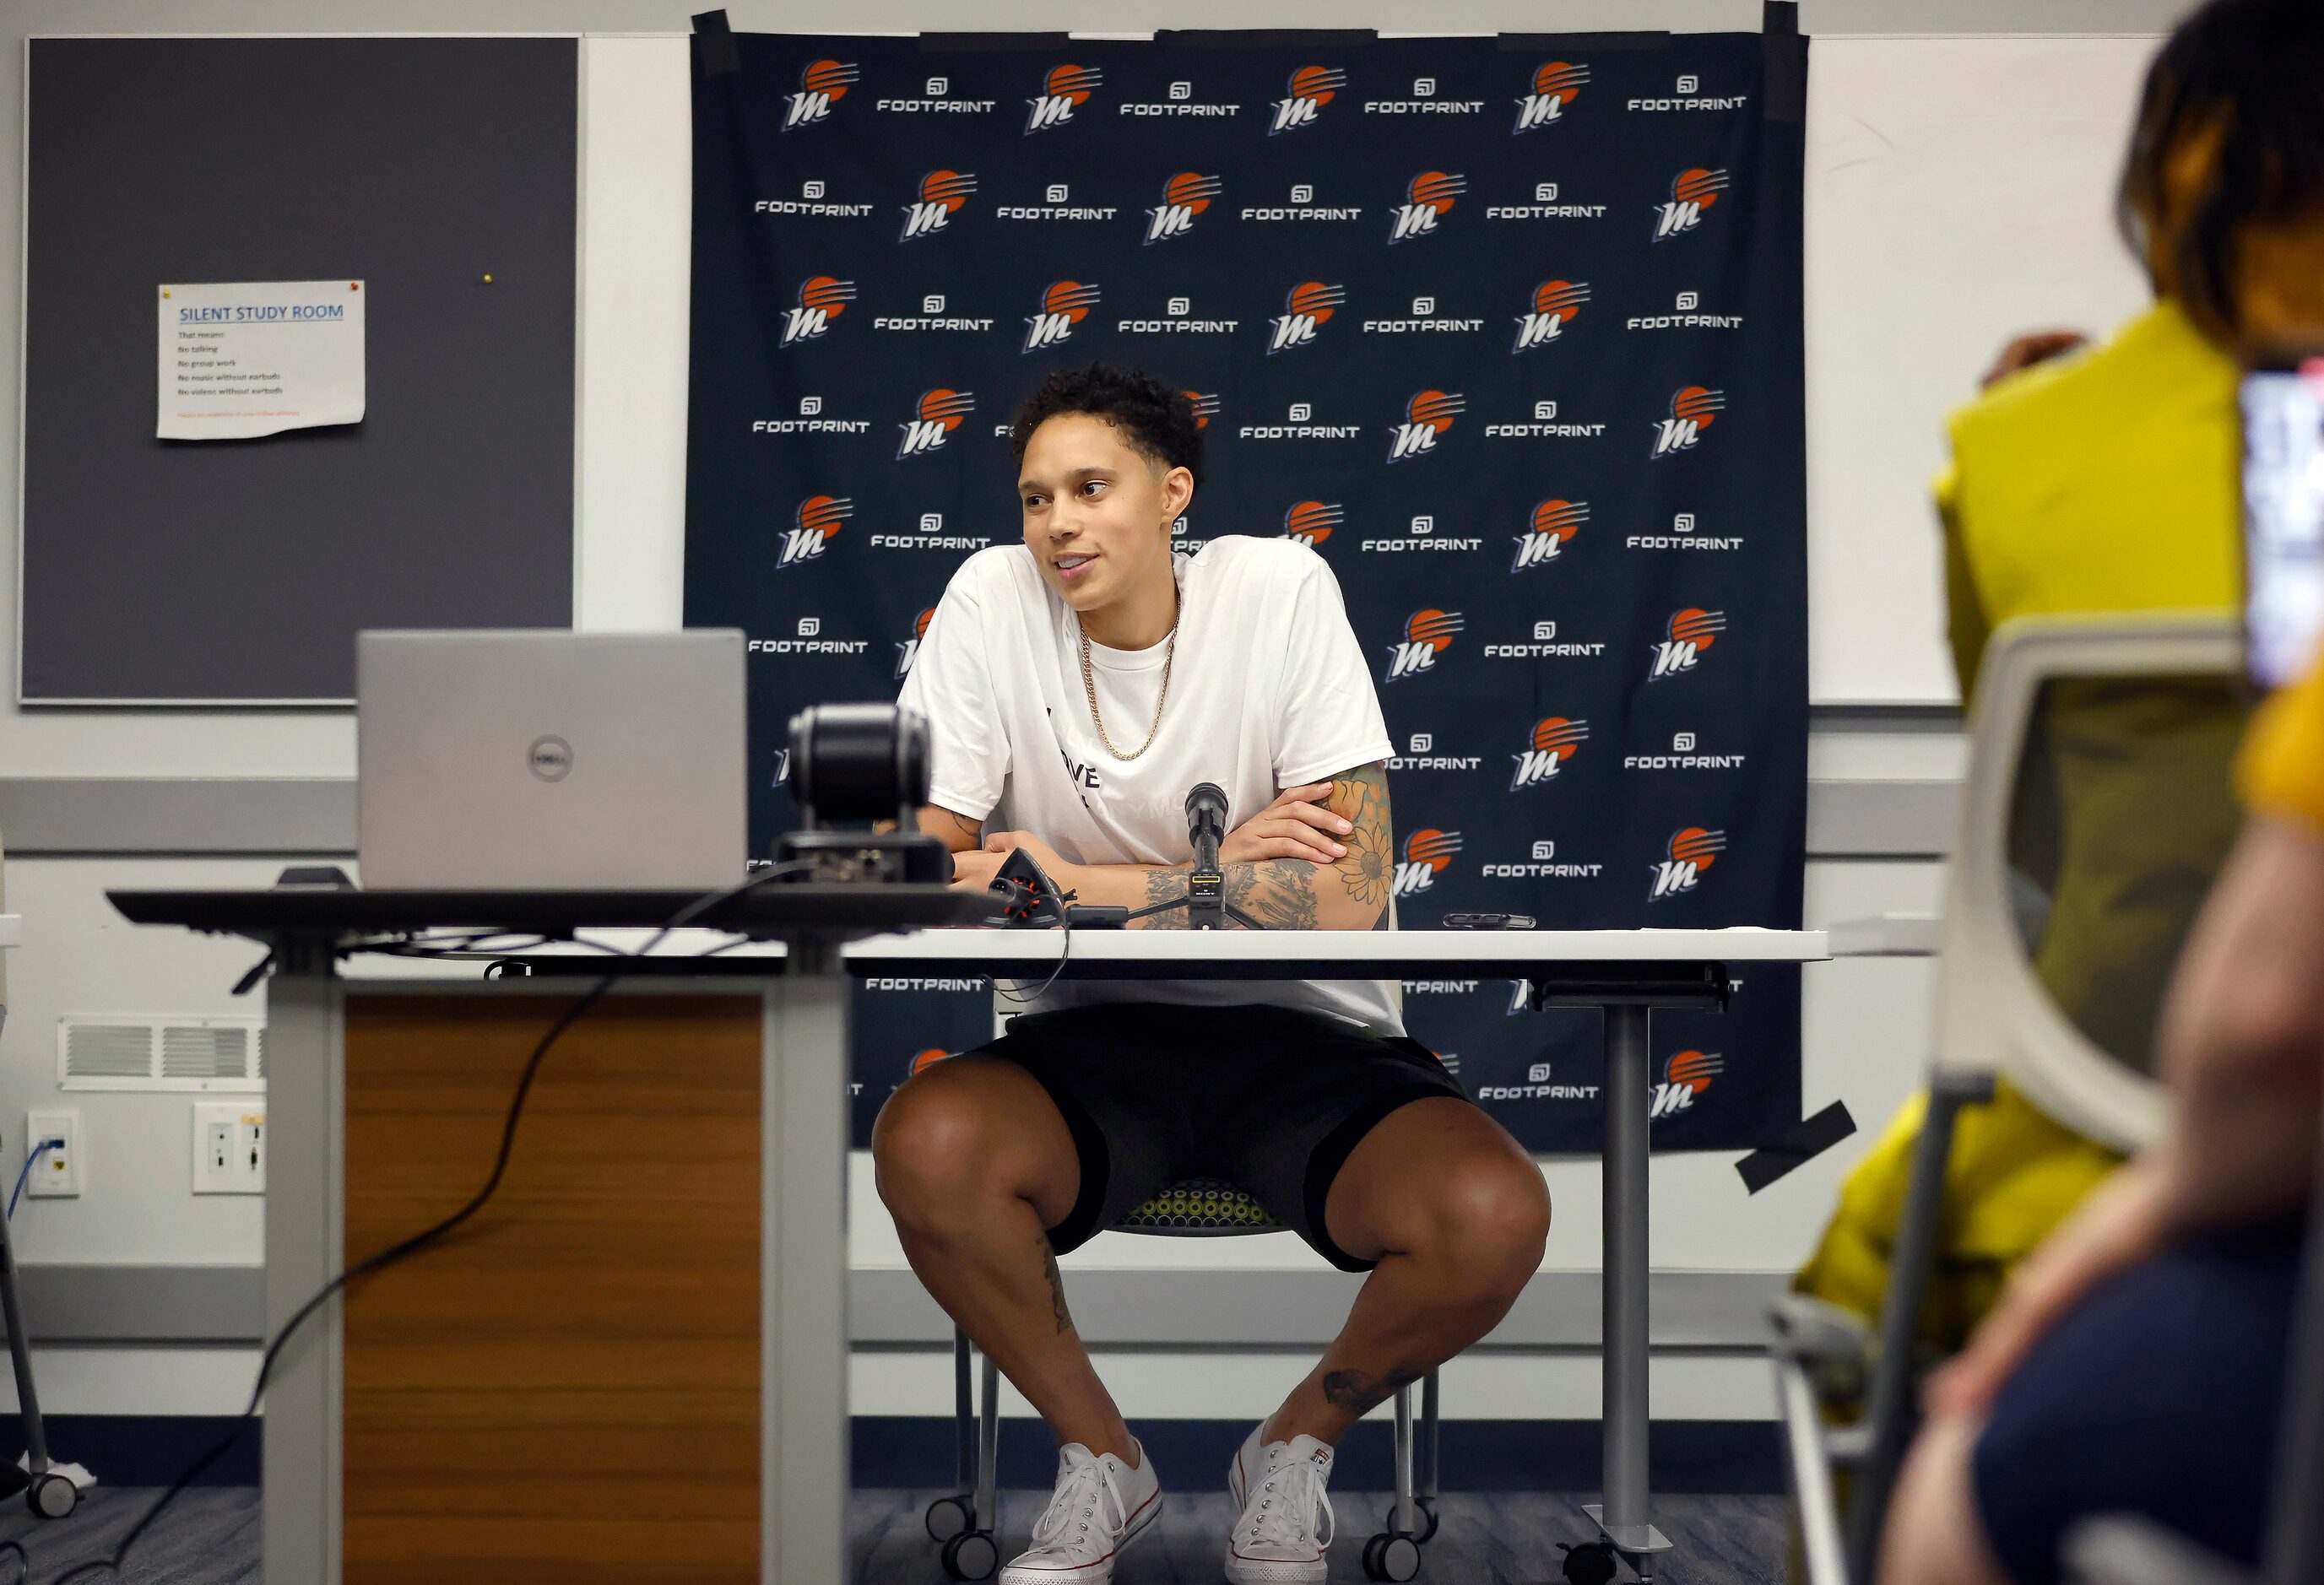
1199 1208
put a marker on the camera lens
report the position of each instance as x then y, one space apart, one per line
858 762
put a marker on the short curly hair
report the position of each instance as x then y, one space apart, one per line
1155 421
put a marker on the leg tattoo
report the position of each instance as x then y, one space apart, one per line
1056 1285
1360 1392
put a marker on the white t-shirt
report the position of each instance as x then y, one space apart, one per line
1269 689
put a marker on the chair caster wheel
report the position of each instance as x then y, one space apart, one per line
1391 1557
972 1555
52 1496
947 1516
1591 1563
1427 1508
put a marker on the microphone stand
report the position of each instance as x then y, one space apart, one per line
1206 901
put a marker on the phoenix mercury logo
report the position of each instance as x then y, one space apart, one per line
1688 1074
1064 305
821 300
1555 85
1554 523
1690 632
1311 522
1555 305
1206 406
909 650
1555 740
818 519
1427 634
1692 192
1693 408
1304 309
942 193
928 1058
1311 88
1427 852
1429 194
1183 197
1693 850
1427 416
1065 87
821 86
935 416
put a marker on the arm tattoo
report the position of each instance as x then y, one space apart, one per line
973 830
1360 1392
1279 893
1360 797
1056 1285
1162 886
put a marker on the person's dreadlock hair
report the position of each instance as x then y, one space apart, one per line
2249 74
1154 420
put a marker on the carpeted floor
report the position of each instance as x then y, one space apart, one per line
211 1537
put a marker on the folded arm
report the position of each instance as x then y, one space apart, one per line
1289 894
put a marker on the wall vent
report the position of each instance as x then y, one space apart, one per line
111 1053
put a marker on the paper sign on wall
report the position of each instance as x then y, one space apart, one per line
255 357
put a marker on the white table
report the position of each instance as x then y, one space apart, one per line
806 998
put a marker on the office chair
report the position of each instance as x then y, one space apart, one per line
1199 1208
2167 682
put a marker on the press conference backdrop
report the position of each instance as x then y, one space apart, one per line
1507 330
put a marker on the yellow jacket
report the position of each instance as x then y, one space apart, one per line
2102 482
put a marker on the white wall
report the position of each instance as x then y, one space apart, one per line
1865 1020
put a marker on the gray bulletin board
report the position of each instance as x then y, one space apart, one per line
218 572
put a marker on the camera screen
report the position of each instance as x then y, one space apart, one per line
2283 520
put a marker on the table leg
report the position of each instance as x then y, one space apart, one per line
306 1227
803 1450
1623 1338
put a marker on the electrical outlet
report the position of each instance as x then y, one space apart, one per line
57 1172
229 1149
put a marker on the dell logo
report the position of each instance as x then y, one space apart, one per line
550 759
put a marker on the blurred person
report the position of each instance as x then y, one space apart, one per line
2137 1362
2104 479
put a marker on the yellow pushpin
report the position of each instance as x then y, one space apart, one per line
488 281
165 291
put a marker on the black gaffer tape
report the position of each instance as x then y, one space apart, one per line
1783 91
1804 1141
714 54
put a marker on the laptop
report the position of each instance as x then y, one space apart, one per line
549 760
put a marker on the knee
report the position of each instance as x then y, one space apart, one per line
932 1150
1486 1222
1934 1534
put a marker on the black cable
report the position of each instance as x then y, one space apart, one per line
1064 918
420 1240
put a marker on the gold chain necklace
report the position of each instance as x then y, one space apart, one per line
1089 684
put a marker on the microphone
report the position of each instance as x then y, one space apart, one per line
1206 827
1207 822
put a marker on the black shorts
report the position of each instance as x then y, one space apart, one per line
1269 1098
2161 1394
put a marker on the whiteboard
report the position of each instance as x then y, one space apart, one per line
1959 190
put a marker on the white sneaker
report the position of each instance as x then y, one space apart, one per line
1285 1526
1101 1505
